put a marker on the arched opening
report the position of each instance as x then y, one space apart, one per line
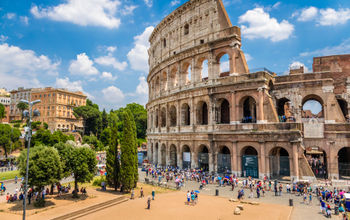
203 158
172 113
283 109
250 162
173 78
164 81
224 62
173 156
271 87
186 29
249 110
279 162
344 163
202 113
204 69
185 114
186 157
163 155
163 117
224 160
156 154
317 159
225 112
157 118
189 74
312 107
164 43
157 86
344 108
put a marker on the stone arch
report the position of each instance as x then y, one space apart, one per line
224 113
163 117
164 80
173 156
249 112
202 113
203 68
173 78
283 109
317 159
156 154
157 85
250 164
163 155
186 157
279 162
343 104
187 73
156 118
186 29
173 116
223 60
344 162
224 159
185 114
315 101
203 157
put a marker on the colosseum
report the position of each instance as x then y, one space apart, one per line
220 116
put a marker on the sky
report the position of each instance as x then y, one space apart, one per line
100 46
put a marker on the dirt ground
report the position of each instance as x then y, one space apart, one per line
168 205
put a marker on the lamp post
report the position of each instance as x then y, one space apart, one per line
28 130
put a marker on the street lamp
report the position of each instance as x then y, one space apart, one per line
28 114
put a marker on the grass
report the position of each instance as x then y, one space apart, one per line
9 175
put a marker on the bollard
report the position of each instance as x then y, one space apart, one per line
290 202
216 192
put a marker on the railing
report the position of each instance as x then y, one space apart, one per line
6 169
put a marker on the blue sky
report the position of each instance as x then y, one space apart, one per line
100 46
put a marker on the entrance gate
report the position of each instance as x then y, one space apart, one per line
224 163
203 161
279 166
250 166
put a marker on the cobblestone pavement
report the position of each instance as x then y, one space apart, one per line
301 211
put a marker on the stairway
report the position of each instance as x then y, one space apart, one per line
92 209
305 171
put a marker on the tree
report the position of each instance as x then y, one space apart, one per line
105 137
90 115
93 142
45 137
9 138
65 151
113 163
45 167
129 166
83 162
104 120
2 111
22 106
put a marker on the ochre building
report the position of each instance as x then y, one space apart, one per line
218 115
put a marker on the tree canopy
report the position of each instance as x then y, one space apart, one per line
90 115
2 111
9 137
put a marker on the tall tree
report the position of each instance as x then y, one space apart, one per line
90 115
113 163
8 137
2 111
129 174
105 137
22 106
65 151
83 162
104 120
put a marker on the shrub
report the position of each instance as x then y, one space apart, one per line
98 180
17 125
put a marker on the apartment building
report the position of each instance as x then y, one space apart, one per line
16 96
6 101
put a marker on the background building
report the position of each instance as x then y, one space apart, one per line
56 108
16 96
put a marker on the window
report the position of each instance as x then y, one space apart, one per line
202 41
187 29
164 43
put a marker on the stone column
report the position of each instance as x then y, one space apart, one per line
262 170
149 152
179 156
178 116
193 71
167 154
160 154
194 159
234 160
295 175
260 116
178 75
155 154
233 109
192 113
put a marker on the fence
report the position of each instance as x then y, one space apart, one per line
6 169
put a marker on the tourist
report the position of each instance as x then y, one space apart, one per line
188 197
16 179
310 198
132 194
192 198
149 202
141 193
153 194
258 192
8 198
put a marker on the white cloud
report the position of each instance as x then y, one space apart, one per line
330 16
3 38
142 87
111 61
296 65
25 20
342 48
308 14
67 84
276 5
261 25
82 66
174 2
111 49
108 76
138 56
82 12
23 67
10 16
149 3
113 94
128 9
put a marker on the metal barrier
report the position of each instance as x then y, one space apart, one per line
7 169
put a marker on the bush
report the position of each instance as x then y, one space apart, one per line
98 180
17 125
16 121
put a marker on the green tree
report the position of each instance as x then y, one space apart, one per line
113 163
22 106
9 138
128 159
45 167
105 137
83 162
90 115
93 142
104 120
65 151
2 111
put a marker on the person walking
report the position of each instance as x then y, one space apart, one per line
149 202
132 194
153 194
141 193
